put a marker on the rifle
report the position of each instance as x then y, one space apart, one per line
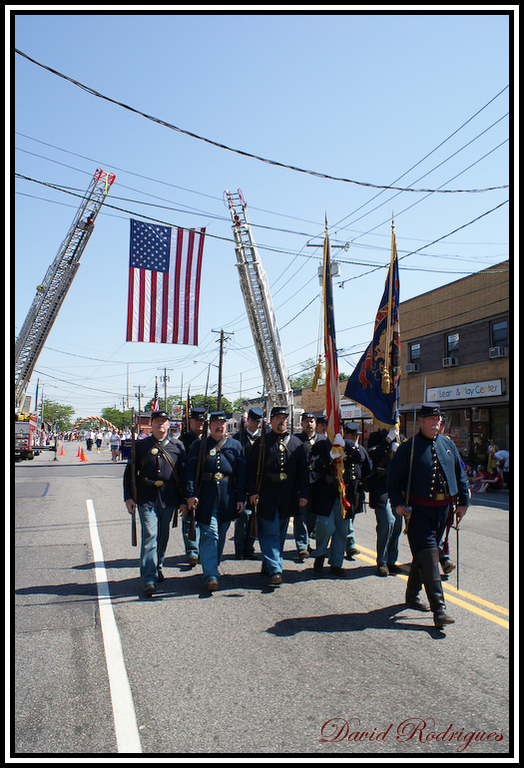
132 477
199 472
260 471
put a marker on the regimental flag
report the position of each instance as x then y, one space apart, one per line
375 381
332 385
165 267
154 402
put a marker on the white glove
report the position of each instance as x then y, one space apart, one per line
393 434
394 447
338 440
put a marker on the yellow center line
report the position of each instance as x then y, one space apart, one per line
451 597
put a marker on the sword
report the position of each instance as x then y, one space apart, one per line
456 527
410 472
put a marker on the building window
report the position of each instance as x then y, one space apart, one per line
499 334
452 344
414 353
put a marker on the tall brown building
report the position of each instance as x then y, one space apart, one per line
456 352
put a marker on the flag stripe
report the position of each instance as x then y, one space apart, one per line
164 284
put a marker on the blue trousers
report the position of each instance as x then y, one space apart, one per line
271 537
389 527
212 540
155 523
331 535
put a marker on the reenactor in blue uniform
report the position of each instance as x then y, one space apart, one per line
382 444
332 522
196 427
304 522
430 462
160 473
217 495
246 436
279 492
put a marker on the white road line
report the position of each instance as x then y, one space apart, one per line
126 729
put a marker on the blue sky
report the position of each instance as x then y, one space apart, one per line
353 95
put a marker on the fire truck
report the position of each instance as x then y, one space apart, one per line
27 436
45 307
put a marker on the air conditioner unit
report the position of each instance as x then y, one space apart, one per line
449 362
497 352
411 367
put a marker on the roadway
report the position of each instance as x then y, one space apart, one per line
319 667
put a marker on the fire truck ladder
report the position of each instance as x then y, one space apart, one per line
259 306
52 292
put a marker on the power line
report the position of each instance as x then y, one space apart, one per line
276 163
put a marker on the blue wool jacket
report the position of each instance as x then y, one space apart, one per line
448 458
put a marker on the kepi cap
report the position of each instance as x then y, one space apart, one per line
429 410
159 414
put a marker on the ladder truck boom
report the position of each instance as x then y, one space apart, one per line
259 306
57 281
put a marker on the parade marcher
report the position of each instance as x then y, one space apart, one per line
283 489
322 425
359 474
332 522
304 522
114 443
218 495
99 437
160 473
90 437
246 436
196 427
431 464
381 446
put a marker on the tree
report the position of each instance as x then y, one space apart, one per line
116 417
58 416
305 379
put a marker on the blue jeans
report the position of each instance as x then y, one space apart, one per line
389 527
155 523
271 537
212 540
334 528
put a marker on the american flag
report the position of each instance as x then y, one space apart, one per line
154 402
332 385
165 266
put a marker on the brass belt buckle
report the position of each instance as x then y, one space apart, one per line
283 476
218 475
159 483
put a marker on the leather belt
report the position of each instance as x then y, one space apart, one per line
156 483
214 476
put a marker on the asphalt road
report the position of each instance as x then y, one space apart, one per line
319 667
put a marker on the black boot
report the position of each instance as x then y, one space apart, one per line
428 560
413 588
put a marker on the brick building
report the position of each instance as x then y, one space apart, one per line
456 352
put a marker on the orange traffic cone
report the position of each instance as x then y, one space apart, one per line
79 452
62 452
82 457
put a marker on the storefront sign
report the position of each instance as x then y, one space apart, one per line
350 411
465 391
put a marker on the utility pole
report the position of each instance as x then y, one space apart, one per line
223 338
165 378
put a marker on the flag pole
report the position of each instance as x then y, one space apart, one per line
386 378
332 379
